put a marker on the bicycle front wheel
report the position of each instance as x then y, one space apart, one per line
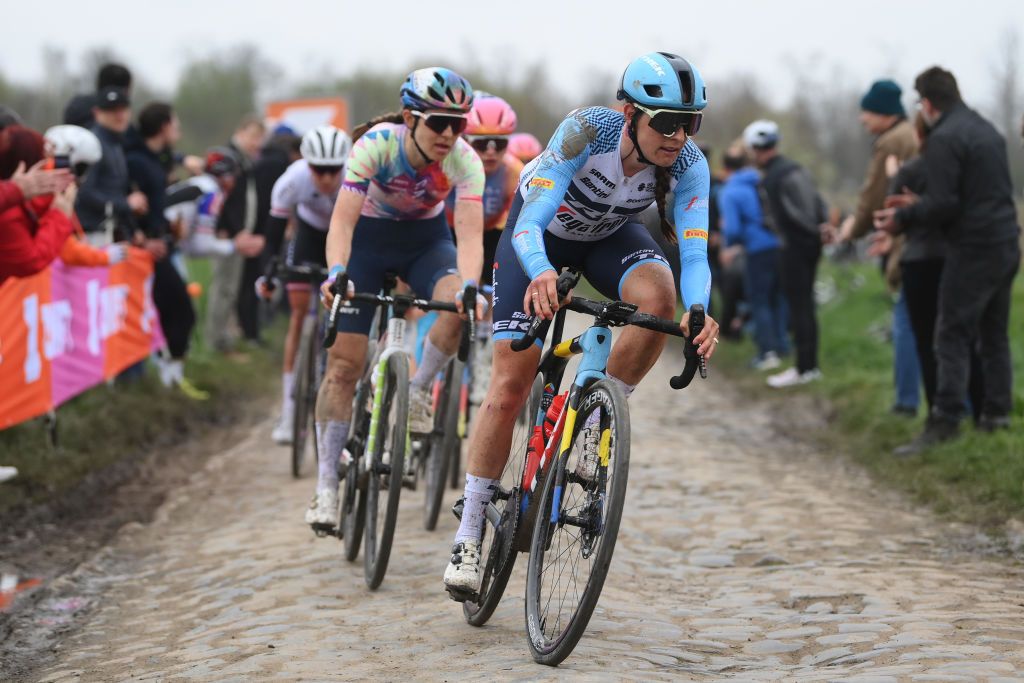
578 522
304 396
389 428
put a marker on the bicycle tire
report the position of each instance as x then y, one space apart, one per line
392 429
441 442
549 643
352 505
495 573
455 480
303 421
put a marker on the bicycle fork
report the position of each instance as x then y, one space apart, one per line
395 343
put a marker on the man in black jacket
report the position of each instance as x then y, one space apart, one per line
794 210
105 198
78 111
970 193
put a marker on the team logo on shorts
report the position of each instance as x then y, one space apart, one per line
695 234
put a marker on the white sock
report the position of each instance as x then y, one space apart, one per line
287 387
478 494
177 370
431 364
330 440
627 389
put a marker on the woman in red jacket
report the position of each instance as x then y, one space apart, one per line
33 231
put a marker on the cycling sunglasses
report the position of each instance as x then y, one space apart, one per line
441 122
325 170
484 143
669 121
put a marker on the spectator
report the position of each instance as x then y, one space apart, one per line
920 262
276 156
238 216
34 228
79 149
79 110
883 116
106 206
969 190
796 212
743 228
158 132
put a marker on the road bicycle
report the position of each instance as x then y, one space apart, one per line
563 489
372 466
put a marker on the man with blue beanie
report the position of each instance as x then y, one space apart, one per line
883 116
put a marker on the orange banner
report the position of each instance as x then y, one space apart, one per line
67 329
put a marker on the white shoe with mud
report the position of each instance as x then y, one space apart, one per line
282 434
421 411
462 576
322 513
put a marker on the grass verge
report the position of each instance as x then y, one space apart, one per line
978 478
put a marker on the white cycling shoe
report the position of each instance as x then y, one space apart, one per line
462 576
421 411
282 434
322 513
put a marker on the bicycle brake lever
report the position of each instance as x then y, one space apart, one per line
339 287
694 360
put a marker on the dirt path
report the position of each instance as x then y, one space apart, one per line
750 558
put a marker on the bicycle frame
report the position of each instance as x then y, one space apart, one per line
395 343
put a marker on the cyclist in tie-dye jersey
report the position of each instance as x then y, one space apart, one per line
390 217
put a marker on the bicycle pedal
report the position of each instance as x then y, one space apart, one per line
462 596
457 508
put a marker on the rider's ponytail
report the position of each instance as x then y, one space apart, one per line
390 117
662 176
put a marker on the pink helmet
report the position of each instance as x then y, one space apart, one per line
524 147
491 115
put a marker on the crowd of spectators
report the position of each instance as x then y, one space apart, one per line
103 183
936 208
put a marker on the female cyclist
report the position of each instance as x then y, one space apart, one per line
579 205
390 217
525 147
306 192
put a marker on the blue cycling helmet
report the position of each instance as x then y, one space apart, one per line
436 88
663 80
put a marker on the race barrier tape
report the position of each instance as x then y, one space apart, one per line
67 329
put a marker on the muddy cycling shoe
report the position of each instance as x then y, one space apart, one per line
586 464
421 411
322 513
462 577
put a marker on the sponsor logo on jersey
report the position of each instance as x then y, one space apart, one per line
542 183
695 234
696 203
604 181
589 184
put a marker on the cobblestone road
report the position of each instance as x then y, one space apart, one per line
743 556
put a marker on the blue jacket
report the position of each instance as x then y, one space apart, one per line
740 209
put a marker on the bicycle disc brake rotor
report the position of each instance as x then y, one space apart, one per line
505 534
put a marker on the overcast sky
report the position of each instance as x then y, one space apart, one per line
572 39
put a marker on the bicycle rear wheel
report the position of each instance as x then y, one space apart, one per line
305 395
441 442
575 532
386 466
503 514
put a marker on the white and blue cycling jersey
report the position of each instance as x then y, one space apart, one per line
577 190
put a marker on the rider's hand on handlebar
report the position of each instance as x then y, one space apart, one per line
265 286
327 295
541 298
481 302
707 341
